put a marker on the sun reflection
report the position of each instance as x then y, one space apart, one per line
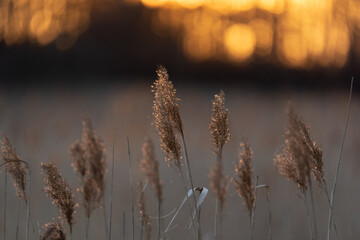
295 33
43 21
301 33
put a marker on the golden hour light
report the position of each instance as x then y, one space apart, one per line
295 33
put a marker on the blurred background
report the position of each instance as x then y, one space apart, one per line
61 59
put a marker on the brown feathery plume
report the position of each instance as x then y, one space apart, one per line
169 125
244 185
219 126
53 231
78 160
219 129
150 166
167 117
301 155
95 155
60 192
166 101
144 217
14 167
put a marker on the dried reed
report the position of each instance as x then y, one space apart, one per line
300 157
14 167
60 192
144 217
244 184
88 161
169 125
220 134
17 169
150 167
53 231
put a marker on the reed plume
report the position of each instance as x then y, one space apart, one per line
220 134
244 184
53 231
88 161
169 125
144 217
150 166
301 157
60 192
167 117
14 167
95 155
244 172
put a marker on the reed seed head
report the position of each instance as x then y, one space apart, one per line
53 231
144 217
244 173
150 166
95 155
219 126
60 192
90 193
301 155
167 117
14 167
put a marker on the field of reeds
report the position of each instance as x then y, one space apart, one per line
79 143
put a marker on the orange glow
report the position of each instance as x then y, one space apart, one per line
298 33
239 41
303 33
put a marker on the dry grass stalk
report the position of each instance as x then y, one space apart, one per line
301 157
14 167
88 160
169 125
53 231
244 172
144 217
95 155
167 117
219 126
296 160
219 129
60 192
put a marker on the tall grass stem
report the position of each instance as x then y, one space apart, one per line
339 160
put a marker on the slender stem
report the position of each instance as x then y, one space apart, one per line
27 201
252 218
269 209
104 213
141 229
338 162
5 207
111 192
131 191
328 200
123 226
18 219
308 215
215 220
87 223
191 185
159 220
186 188
313 208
